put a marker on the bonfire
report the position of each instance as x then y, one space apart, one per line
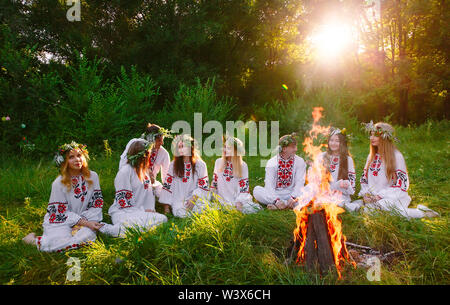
318 235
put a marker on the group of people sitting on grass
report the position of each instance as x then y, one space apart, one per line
74 212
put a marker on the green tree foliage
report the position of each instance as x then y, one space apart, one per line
126 61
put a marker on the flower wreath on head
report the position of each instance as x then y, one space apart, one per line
379 131
150 137
63 149
343 131
134 158
186 139
292 138
235 142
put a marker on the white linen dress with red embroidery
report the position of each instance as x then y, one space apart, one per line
345 193
132 198
285 179
177 190
393 193
159 162
65 209
231 189
341 195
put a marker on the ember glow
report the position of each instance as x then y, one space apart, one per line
319 197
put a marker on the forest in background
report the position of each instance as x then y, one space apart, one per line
130 62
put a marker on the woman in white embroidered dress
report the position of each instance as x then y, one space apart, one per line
285 177
159 157
75 206
385 181
134 203
230 183
186 187
343 173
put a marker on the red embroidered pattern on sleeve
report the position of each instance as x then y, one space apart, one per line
57 212
214 182
96 200
363 179
203 183
352 179
124 198
168 183
244 185
401 180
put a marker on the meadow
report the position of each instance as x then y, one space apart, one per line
227 247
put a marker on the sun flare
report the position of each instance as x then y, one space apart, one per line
332 40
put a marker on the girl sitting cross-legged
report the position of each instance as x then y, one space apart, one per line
134 203
75 206
159 157
339 165
186 188
385 181
230 182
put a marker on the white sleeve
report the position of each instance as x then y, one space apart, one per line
165 165
300 174
58 208
400 185
202 189
124 197
364 182
167 186
244 186
93 211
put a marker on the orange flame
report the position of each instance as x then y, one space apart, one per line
318 196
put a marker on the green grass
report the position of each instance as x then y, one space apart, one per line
226 247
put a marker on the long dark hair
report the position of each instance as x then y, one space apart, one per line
343 157
178 163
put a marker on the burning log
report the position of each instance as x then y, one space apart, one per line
318 239
317 245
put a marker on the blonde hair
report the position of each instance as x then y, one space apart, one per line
236 159
386 149
65 173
